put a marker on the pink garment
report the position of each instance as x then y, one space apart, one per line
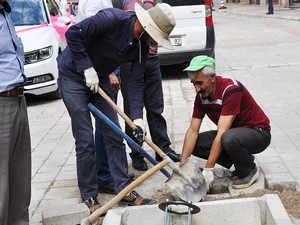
62 23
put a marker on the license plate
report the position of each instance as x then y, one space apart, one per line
176 41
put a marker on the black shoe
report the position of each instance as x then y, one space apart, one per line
241 183
173 155
131 176
138 162
134 199
92 203
106 188
269 13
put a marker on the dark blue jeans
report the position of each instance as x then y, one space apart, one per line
270 6
153 100
76 97
238 144
102 166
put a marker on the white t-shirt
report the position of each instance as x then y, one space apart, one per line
87 8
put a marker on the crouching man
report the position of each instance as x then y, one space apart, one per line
243 129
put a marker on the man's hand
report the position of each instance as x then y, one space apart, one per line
91 79
114 82
139 132
208 174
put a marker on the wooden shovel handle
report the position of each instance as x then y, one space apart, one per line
129 122
92 218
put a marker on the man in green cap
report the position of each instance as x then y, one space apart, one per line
243 129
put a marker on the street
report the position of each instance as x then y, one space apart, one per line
262 53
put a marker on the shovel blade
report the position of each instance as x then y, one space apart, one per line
181 187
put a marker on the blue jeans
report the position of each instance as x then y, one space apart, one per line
238 144
270 6
153 100
102 166
76 96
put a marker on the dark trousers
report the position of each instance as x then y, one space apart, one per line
102 165
153 100
15 161
76 96
270 6
238 144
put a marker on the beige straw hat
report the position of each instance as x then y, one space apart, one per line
158 22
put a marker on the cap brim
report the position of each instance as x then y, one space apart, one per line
151 28
194 68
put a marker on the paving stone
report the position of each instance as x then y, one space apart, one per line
280 181
258 184
65 215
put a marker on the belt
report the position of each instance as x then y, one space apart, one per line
16 92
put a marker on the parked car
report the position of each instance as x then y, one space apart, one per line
41 27
193 34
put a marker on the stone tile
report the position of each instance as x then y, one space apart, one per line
65 215
273 168
62 192
65 183
44 177
258 184
280 181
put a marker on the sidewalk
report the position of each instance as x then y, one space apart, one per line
280 11
54 181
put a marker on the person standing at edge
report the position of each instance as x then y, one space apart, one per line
96 46
270 7
153 97
243 127
15 150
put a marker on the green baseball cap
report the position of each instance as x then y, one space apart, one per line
199 62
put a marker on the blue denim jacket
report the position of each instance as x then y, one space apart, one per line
11 53
105 41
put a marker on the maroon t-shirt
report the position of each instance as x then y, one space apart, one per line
231 98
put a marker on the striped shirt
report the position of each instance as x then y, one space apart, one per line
231 98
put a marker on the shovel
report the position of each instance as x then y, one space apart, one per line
187 182
95 215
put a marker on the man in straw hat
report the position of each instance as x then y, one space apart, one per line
243 127
153 97
96 46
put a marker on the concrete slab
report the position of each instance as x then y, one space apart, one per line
265 210
258 184
66 215
280 181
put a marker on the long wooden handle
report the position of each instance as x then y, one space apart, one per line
126 190
129 122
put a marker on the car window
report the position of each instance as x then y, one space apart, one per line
53 8
182 2
27 12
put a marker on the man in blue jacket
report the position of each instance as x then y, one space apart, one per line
96 46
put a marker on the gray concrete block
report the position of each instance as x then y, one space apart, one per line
258 184
280 181
66 215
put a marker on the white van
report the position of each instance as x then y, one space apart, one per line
193 34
